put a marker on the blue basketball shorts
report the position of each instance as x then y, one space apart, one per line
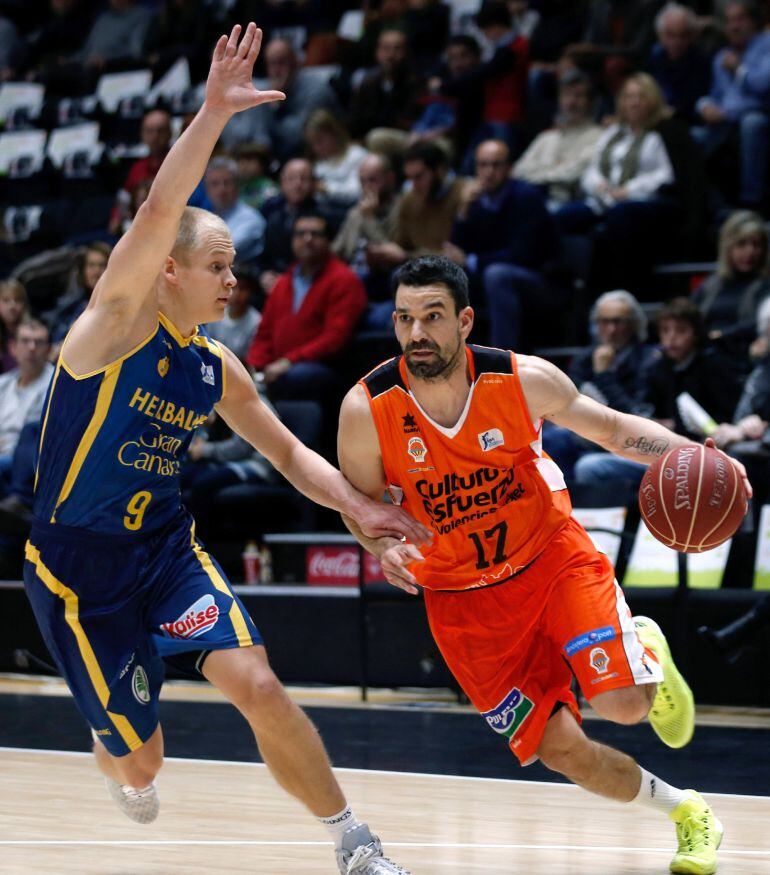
111 607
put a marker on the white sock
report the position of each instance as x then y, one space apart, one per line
655 793
338 824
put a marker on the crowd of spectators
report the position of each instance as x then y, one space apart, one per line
557 150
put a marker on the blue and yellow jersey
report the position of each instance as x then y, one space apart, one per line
112 441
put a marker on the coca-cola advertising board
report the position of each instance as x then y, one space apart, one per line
339 566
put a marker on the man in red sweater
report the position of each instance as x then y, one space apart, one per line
309 317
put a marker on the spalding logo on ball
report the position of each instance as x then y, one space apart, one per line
692 498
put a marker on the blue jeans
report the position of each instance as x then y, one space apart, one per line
22 475
304 381
509 291
753 130
604 467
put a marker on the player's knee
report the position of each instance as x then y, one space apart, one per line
561 754
266 696
564 745
626 706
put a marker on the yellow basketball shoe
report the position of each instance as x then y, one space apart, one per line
699 834
672 715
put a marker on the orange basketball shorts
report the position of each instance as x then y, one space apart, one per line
515 647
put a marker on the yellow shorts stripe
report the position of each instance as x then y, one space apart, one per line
103 401
235 614
71 609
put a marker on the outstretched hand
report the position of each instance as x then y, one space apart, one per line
379 520
229 86
395 566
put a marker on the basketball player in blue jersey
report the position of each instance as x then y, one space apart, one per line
113 570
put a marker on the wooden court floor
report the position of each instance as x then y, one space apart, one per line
220 817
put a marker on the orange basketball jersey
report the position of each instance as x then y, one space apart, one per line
484 486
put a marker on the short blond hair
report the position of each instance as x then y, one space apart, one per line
659 109
194 223
738 226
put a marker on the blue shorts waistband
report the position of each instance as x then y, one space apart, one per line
74 533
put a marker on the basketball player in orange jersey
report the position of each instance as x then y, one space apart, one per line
518 598
114 572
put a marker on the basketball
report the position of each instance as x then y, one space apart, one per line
692 498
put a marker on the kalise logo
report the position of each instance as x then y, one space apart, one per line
197 619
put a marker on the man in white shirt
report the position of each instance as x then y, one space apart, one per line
22 390
557 158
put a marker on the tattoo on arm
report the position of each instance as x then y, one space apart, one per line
646 447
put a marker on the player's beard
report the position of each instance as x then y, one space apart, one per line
440 367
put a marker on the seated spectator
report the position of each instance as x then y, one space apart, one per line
212 465
387 98
242 318
297 195
458 114
371 222
336 159
739 101
557 158
502 78
12 50
279 126
309 317
14 308
676 62
115 42
23 389
503 235
156 137
254 184
609 370
747 436
16 505
246 225
425 213
617 38
182 29
60 34
683 365
625 187
729 299
90 265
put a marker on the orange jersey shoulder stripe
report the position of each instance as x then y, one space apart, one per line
484 486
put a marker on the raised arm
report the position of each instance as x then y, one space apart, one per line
125 294
140 254
358 449
550 394
308 472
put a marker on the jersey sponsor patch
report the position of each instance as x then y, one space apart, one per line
507 717
417 449
490 439
207 374
599 660
589 639
197 619
140 686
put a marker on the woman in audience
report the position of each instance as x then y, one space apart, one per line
14 306
336 158
90 266
729 299
626 204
